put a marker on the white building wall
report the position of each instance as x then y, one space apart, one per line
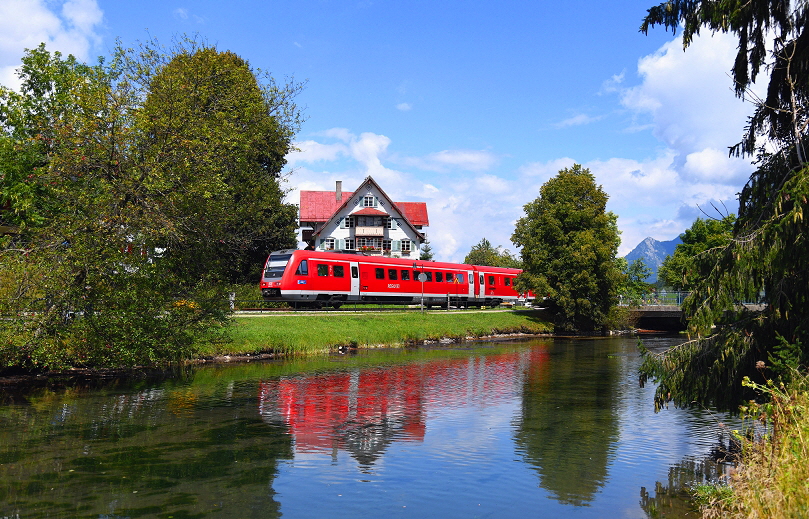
336 229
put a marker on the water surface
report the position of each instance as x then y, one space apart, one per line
544 428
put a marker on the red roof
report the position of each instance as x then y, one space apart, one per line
370 211
318 206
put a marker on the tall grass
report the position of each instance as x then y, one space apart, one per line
773 477
302 333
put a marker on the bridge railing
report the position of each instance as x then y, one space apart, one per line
660 298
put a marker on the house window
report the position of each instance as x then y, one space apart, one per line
386 244
439 277
339 271
368 201
349 222
349 243
392 274
303 269
405 275
380 273
389 223
405 245
329 244
322 270
369 221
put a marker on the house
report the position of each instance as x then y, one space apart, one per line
366 220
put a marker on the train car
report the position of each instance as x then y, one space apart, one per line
316 279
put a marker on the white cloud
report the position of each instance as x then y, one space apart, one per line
448 160
404 107
577 120
69 27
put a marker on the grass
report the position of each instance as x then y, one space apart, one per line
305 333
773 477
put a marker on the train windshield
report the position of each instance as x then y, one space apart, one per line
276 265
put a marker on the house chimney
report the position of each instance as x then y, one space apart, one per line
338 193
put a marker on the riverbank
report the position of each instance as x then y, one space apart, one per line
771 480
319 332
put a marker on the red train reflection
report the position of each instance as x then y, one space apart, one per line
364 410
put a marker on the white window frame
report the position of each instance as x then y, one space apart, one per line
329 244
349 243
405 245
368 201
385 244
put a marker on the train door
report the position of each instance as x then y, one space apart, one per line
355 278
481 285
471 280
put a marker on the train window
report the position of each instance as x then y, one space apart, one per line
508 281
405 275
481 279
491 280
393 274
339 271
450 277
416 274
380 273
460 277
322 270
429 276
355 273
303 269
439 276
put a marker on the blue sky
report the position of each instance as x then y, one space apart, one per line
469 106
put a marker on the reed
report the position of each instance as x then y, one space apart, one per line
771 481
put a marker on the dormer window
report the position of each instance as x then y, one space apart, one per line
368 201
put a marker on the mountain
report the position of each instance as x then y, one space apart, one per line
653 253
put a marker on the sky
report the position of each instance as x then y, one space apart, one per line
469 106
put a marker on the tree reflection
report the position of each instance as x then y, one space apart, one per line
568 424
158 451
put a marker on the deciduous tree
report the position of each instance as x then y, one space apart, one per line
484 253
158 178
568 243
681 270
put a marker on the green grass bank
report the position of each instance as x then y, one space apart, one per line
312 332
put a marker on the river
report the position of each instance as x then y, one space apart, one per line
543 428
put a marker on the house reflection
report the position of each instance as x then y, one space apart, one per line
362 411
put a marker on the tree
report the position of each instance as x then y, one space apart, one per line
633 284
680 270
765 261
156 180
568 244
426 251
484 254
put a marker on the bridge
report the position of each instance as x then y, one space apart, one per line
662 311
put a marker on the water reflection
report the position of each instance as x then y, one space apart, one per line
568 425
543 429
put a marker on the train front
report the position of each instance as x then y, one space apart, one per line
273 272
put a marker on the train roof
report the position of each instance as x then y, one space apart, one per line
399 262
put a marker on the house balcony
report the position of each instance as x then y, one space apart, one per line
369 231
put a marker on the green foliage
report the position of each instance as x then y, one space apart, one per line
142 187
568 243
633 285
426 251
484 254
682 269
765 261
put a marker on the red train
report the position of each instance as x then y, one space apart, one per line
315 279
